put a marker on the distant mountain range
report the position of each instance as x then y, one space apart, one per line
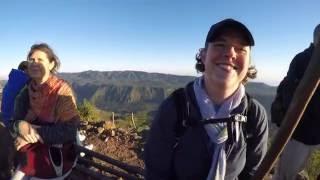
132 91
124 91
125 78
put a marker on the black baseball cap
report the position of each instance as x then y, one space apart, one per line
217 29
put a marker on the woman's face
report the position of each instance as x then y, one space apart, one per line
40 67
226 61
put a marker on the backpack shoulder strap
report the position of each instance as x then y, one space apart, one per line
249 103
249 115
182 109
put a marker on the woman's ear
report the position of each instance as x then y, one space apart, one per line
52 65
203 54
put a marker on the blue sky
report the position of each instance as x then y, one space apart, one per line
151 35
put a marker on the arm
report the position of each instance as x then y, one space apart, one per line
63 131
161 139
21 107
21 130
257 142
49 134
59 133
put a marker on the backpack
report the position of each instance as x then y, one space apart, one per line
182 103
282 100
307 131
288 85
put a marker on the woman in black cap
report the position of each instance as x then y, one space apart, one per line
211 129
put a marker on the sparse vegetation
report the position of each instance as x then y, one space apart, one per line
313 167
88 112
141 119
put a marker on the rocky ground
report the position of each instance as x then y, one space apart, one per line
125 145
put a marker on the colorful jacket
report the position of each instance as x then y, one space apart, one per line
43 160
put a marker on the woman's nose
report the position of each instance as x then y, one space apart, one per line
230 51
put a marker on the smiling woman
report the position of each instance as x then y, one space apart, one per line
42 62
45 119
211 129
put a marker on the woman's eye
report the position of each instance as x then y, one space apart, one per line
36 60
241 49
219 45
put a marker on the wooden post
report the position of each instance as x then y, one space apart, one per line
300 100
132 119
113 119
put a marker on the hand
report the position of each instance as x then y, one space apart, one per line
33 136
28 132
19 143
23 128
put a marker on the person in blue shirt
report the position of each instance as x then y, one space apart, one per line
17 80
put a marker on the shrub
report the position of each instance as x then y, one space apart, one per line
88 112
313 167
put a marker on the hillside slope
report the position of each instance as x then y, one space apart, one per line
133 91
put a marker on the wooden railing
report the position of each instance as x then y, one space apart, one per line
90 160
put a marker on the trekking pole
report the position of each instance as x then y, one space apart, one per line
300 100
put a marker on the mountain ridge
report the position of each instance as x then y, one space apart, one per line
132 91
137 90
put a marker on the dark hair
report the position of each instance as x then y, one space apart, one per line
50 54
199 64
23 66
251 74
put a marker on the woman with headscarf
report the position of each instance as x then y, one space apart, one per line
45 120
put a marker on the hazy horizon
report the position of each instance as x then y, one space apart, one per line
4 77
